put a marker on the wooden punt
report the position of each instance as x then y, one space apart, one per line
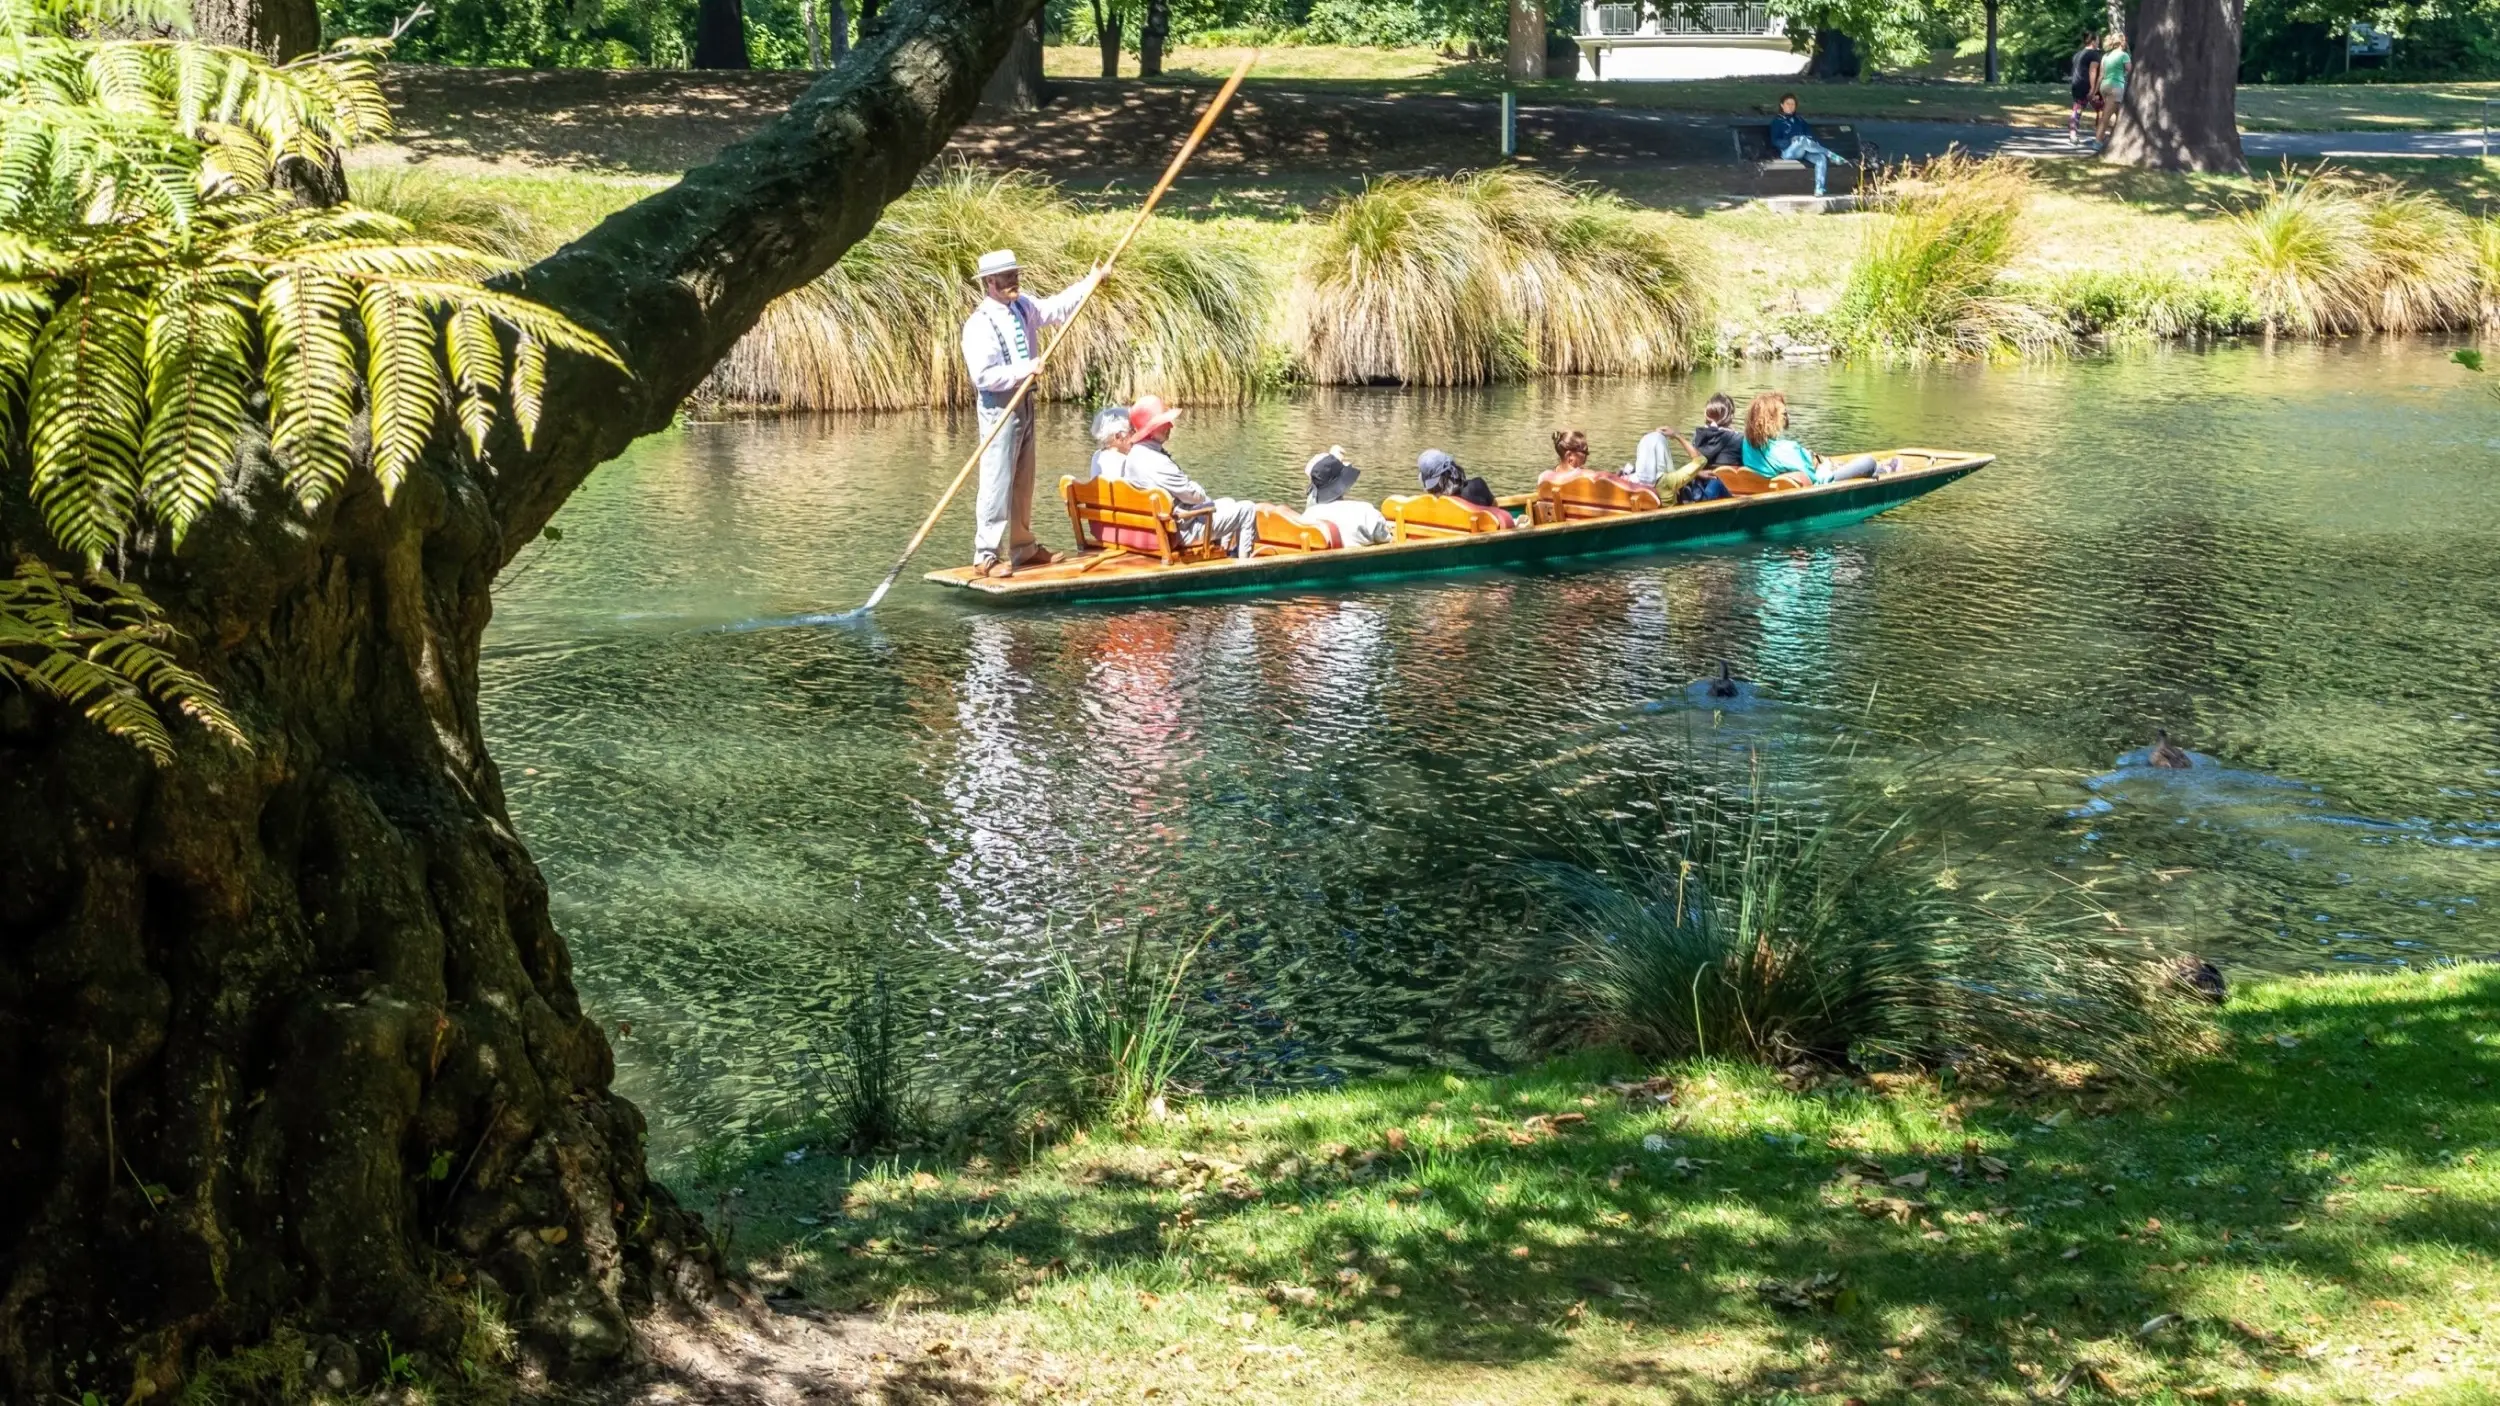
1117 575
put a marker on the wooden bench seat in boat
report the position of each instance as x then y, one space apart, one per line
1283 532
1579 495
1415 517
1107 513
1745 482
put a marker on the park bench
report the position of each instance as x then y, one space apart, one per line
1753 146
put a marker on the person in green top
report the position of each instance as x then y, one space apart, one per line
2114 62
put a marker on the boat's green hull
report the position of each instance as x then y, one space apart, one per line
1762 517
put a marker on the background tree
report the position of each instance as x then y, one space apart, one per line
278 29
288 1041
1110 19
1523 56
720 34
1151 34
2181 110
1988 72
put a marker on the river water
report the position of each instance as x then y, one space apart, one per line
2285 557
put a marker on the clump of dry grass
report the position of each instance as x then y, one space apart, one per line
450 210
1183 315
1927 281
1488 277
2487 266
2325 254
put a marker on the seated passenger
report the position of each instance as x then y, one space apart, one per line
1769 452
1149 464
1571 456
1444 475
1111 431
1717 444
1358 523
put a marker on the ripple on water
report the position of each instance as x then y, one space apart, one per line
740 826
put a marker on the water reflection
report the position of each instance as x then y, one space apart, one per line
739 827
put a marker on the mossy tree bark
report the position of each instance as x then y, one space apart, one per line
2181 109
287 1039
282 29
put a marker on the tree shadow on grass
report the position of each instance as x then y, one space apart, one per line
2158 1233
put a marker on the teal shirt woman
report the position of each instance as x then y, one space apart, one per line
1769 451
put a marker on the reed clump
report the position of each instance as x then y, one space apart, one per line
1750 926
2146 305
2324 254
1489 277
1927 283
869 1099
1118 1032
1183 315
2487 266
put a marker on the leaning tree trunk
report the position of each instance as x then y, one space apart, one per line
282 29
720 34
290 1052
2181 110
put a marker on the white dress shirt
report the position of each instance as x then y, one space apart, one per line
1358 523
1002 339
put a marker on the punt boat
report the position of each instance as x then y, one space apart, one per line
1130 538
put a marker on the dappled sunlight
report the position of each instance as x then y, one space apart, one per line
2279 1215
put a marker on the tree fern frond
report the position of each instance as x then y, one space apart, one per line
103 650
398 258
529 384
520 314
86 416
404 381
199 346
312 380
476 360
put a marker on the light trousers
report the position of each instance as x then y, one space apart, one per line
1002 509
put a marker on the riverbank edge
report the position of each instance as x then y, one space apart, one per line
2117 260
2310 1211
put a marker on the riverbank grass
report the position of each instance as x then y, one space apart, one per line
2312 1215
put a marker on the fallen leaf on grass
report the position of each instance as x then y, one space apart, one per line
1396 1138
1915 1181
1822 1290
2155 1324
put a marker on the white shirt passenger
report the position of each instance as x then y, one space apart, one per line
1358 523
1149 465
1107 465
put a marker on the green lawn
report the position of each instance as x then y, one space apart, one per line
2312 1215
1389 72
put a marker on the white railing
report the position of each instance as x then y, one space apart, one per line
1666 17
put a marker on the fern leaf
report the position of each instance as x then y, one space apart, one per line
404 381
529 384
312 380
105 653
476 361
87 411
198 357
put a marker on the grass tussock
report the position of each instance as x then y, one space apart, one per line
2487 266
1756 927
451 211
2147 306
869 1100
1182 316
1927 282
2323 254
1489 277
1117 1036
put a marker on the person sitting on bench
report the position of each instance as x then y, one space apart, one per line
1235 523
1793 138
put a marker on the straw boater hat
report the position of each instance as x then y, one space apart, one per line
996 262
1150 414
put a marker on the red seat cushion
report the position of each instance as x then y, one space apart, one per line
1136 539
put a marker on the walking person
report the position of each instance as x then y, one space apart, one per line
2113 90
2083 83
1001 340
1793 138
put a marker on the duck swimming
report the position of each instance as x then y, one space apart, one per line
2166 753
1724 686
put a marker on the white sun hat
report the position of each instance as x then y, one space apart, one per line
996 262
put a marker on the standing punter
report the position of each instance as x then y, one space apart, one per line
1001 340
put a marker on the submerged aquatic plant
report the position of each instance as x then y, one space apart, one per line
1488 277
1754 926
2323 253
1927 282
1183 315
1118 1032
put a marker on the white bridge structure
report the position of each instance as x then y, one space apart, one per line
1663 40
